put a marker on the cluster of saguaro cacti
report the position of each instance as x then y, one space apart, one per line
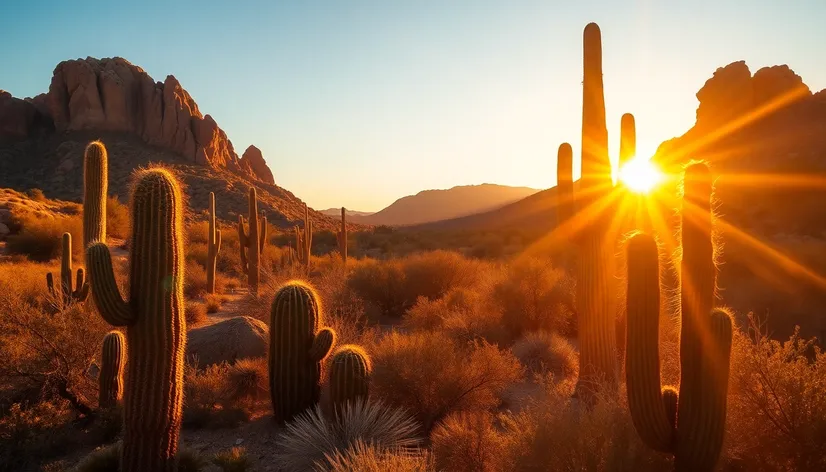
213 245
341 236
350 371
112 361
252 242
68 294
154 320
304 239
298 345
691 424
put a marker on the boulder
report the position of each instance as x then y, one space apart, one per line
226 341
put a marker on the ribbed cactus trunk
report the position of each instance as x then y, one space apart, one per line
628 139
154 317
252 242
350 371
95 188
298 345
112 362
564 184
213 245
595 273
68 294
690 425
341 237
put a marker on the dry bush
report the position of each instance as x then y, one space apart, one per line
363 457
26 281
343 309
432 376
382 285
213 303
118 220
249 380
534 296
195 280
41 236
210 399
309 440
233 460
31 433
195 312
542 352
469 442
777 403
559 433
463 314
107 459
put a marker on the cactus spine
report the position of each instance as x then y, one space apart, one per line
252 243
341 236
213 245
298 345
304 239
154 320
95 187
595 272
113 359
691 424
349 375
68 294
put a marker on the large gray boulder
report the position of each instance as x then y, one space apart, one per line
226 341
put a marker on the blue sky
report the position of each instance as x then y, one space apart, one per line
357 102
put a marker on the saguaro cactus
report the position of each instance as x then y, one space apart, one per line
628 139
564 184
68 294
95 187
213 245
350 371
298 345
154 320
304 239
341 236
113 359
691 424
252 242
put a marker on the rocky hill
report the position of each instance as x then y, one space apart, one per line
142 122
336 212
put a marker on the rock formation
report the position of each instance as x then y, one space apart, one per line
115 95
254 163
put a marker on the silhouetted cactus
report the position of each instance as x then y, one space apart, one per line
154 320
304 239
690 425
112 361
68 294
298 345
95 187
213 245
628 139
341 236
350 371
564 184
252 242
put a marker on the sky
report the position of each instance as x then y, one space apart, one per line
357 103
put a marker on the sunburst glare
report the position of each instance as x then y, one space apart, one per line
640 175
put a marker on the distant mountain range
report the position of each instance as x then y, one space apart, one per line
435 205
336 212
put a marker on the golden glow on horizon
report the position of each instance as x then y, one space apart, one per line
640 175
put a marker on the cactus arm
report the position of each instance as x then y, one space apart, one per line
262 239
81 292
105 290
217 241
322 344
242 244
50 283
95 191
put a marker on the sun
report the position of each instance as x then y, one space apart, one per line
640 175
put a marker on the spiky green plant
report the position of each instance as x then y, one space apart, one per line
154 320
350 371
213 245
68 294
252 242
112 361
341 236
691 424
95 188
304 239
298 345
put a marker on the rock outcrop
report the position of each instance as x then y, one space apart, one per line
227 341
115 95
253 161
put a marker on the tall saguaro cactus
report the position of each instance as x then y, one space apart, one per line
691 424
252 242
213 245
298 345
564 184
95 188
112 362
341 236
154 320
68 294
304 239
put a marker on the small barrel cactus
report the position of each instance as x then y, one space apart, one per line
213 245
350 371
154 320
112 361
298 345
68 294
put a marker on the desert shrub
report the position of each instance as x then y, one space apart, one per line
195 280
432 376
312 438
25 282
195 313
213 303
463 314
469 442
41 237
210 399
542 352
30 433
249 380
777 403
534 296
432 274
382 285
198 252
36 194
367 458
233 460
343 309
107 459
118 221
